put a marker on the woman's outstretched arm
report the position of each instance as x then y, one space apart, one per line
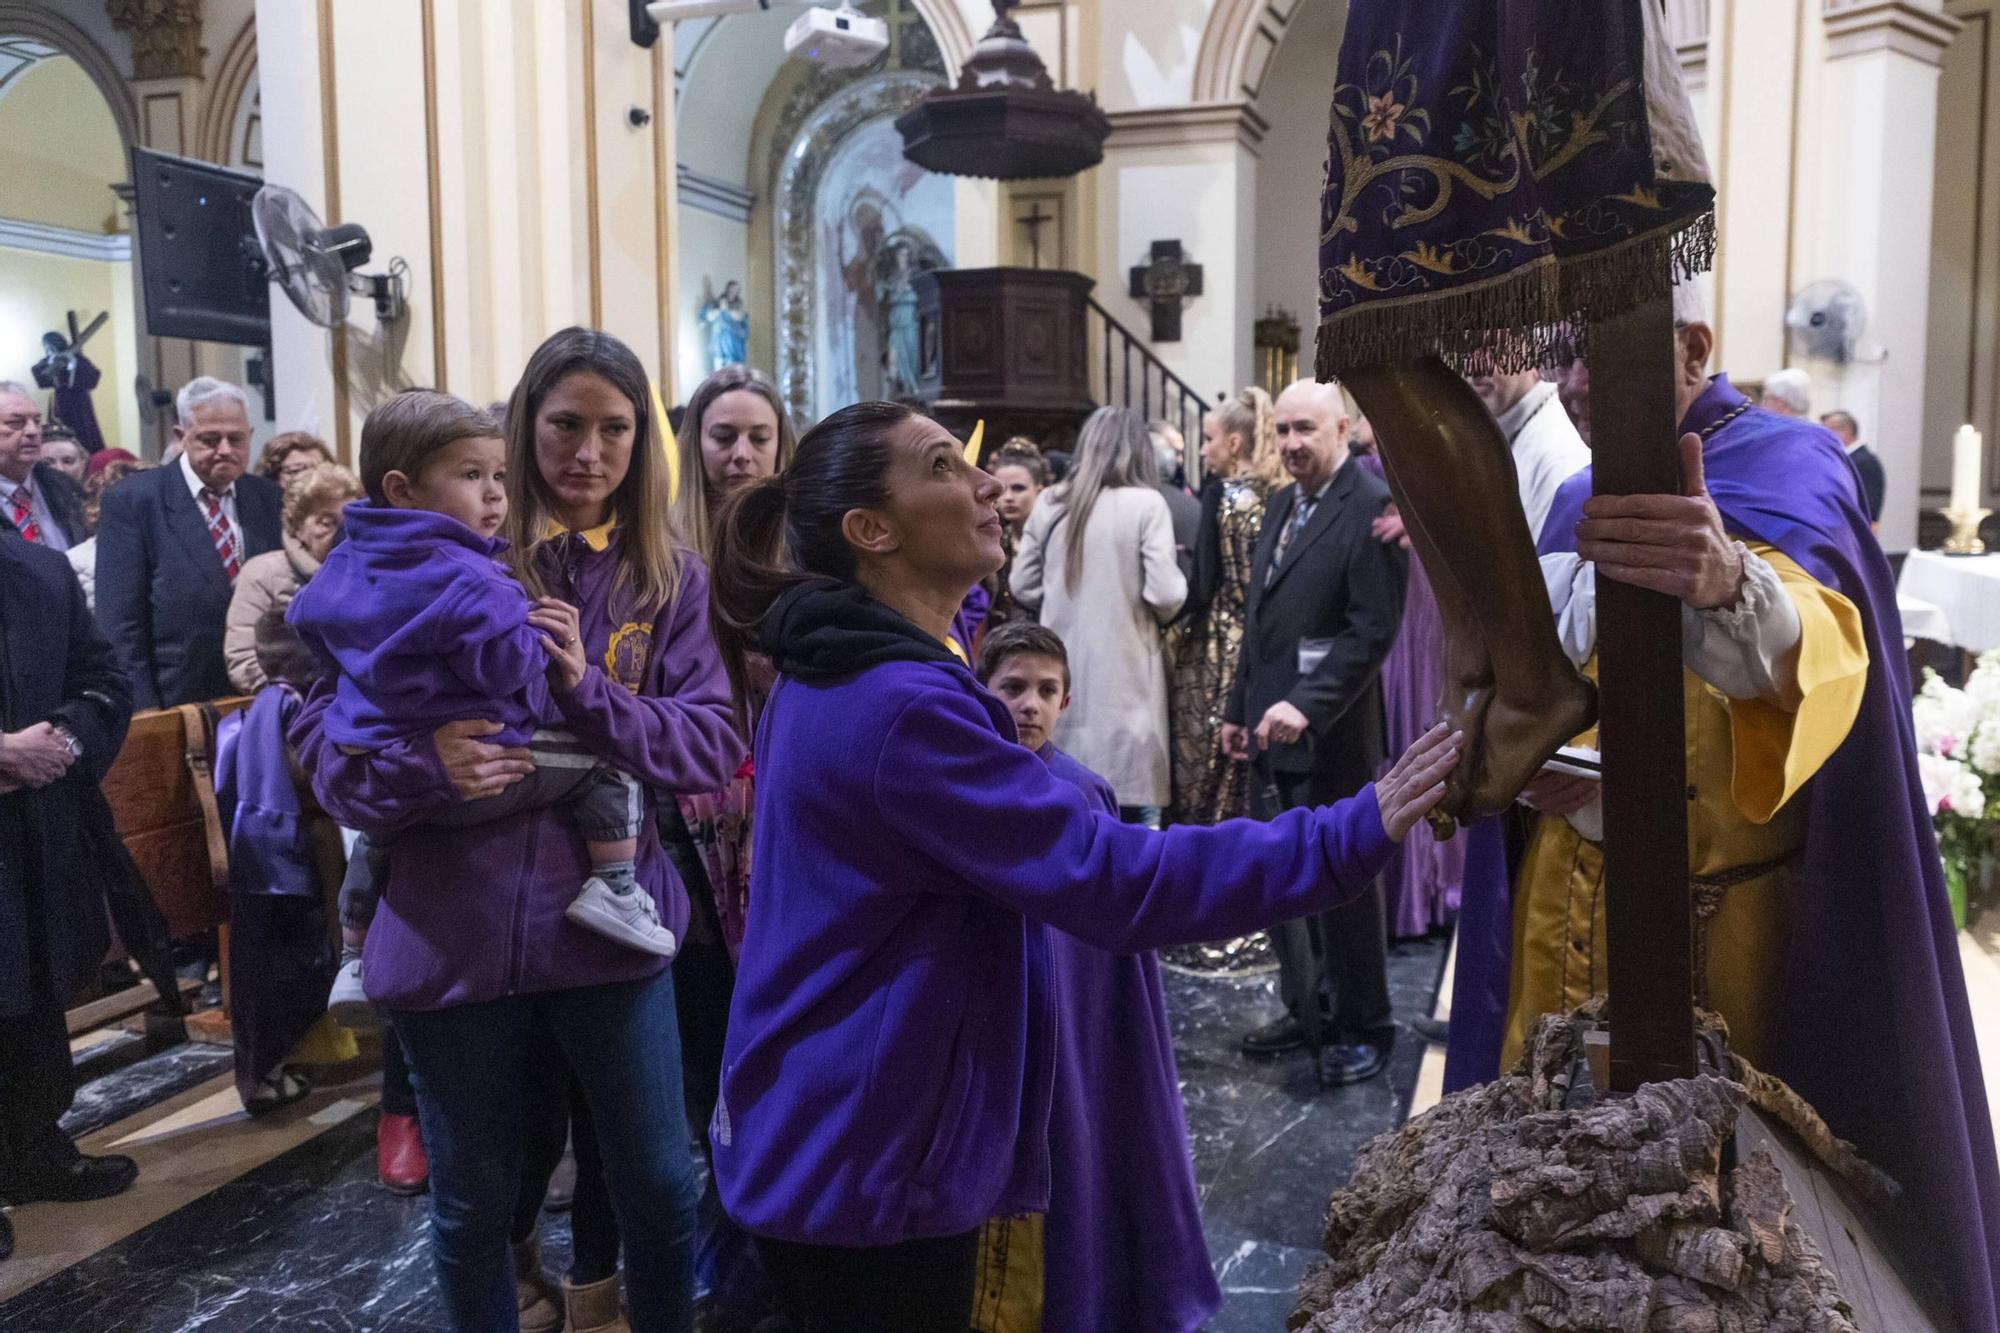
991 815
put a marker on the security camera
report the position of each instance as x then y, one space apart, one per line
837 38
673 11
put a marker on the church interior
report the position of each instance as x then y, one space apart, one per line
1010 217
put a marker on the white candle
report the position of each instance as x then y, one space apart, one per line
1965 459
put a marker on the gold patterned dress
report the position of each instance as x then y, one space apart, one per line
1208 787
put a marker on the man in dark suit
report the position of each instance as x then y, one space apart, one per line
1326 600
1874 482
64 704
36 500
170 543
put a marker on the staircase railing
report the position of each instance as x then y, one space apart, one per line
1132 376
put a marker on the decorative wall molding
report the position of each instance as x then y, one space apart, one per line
166 36
35 20
222 110
42 238
712 194
1237 46
1858 27
1173 126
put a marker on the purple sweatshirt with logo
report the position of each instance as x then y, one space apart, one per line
892 1041
473 914
427 626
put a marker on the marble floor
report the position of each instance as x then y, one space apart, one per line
277 1223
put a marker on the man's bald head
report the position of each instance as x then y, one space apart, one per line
1311 423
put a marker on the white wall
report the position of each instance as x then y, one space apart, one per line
1204 195
1291 165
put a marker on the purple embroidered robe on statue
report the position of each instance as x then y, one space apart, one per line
1122 1243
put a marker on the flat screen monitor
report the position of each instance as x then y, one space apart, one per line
204 271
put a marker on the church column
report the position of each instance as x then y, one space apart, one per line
1187 174
491 146
1879 135
167 89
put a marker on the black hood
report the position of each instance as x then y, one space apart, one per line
825 630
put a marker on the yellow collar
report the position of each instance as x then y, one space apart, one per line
596 538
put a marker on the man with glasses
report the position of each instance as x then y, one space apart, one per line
38 501
170 544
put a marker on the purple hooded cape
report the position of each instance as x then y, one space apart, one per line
1122 1243
280 963
1876 1032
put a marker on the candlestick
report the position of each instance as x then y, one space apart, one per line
1964 539
1966 448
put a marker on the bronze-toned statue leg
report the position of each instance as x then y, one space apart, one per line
1507 684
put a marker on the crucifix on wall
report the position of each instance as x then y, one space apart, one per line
1167 282
1034 220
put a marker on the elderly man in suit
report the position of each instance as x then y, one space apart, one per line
36 499
1326 599
63 708
171 542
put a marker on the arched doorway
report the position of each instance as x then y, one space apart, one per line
65 248
792 185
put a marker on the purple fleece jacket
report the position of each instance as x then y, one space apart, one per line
891 1050
427 626
473 914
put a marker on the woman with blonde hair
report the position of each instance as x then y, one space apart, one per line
1239 454
1097 564
736 431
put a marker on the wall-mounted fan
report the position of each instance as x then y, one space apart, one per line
318 265
1825 322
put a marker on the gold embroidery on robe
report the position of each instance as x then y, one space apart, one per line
1746 760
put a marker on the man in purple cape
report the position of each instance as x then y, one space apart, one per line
1874 1030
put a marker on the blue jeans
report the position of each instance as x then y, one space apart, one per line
470 1065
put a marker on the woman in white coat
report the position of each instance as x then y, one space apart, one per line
1097 563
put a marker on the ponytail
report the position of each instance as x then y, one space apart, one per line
1251 417
784 530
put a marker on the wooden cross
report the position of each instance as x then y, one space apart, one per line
1647 909
1034 220
1167 282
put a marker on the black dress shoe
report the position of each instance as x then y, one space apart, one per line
1280 1034
1436 1031
1351 1062
72 1180
6 1238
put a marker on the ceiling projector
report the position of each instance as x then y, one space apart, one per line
837 38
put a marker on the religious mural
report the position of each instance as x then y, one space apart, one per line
878 222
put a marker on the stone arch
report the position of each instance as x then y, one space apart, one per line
37 21
1236 47
948 25
235 78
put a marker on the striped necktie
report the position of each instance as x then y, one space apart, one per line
1301 512
22 503
220 533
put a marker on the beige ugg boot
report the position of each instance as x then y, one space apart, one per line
535 1297
594 1308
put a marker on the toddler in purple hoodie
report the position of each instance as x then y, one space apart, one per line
426 626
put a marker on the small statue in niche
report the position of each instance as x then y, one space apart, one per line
896 294
725 325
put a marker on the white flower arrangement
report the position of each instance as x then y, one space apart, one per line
1958 758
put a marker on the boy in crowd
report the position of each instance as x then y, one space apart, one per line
418 611
1122 1241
